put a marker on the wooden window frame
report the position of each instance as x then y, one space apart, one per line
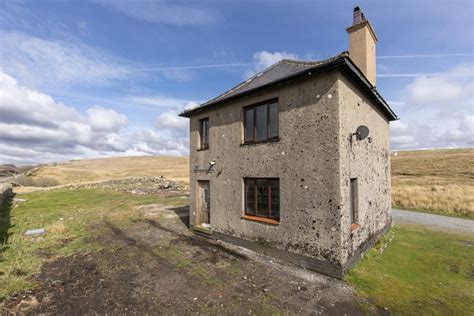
254 107
203 145
255 217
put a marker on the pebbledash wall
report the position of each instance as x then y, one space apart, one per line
368 161
314 163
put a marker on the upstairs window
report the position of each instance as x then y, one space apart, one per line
261 122
262 198
204 133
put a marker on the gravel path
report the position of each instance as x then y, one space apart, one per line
438 222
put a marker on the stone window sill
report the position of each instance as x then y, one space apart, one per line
261 219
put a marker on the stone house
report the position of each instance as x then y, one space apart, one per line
294 162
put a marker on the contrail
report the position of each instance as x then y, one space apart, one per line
409 75
196 67
426 56
209 66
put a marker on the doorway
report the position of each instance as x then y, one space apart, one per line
203 214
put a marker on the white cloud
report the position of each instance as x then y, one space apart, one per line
39 62
461 136
159 11
455 86
171 121
36 128
264 59
101 119
19 104
436 111
401 135
434 90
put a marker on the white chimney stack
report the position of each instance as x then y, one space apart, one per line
362 40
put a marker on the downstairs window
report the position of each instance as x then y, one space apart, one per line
262 197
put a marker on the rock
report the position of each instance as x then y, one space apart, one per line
35 232
28 303
57 283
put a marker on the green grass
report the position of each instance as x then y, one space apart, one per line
420 272
71 218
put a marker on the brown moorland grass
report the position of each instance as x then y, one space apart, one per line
438 181
100 169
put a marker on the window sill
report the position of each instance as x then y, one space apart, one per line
271 140
203 149
354 226
261 219
202 229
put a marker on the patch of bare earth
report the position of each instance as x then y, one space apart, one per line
156 266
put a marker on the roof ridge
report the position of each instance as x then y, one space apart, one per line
314 62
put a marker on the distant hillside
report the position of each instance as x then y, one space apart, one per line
90 170
8 170
439 180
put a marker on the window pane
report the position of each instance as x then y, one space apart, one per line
354 200
261 122
273 108
262 197
249 125
250 197
206 132
275 199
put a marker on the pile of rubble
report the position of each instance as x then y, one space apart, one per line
136 185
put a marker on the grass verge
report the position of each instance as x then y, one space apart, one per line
416 271
68 216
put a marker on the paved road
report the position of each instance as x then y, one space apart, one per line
438 222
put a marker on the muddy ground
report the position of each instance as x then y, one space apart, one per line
156 266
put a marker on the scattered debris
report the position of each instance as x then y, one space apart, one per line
28 303
35 232
19 200
135 185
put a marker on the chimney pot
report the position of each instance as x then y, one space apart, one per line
358 16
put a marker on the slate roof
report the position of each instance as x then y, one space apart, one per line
288 69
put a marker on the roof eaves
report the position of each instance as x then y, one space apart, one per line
371 89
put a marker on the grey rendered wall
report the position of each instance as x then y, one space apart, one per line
306 159
369 162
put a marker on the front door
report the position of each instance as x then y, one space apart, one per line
203 217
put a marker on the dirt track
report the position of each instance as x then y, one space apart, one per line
155 266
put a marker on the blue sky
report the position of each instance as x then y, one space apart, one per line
102 78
